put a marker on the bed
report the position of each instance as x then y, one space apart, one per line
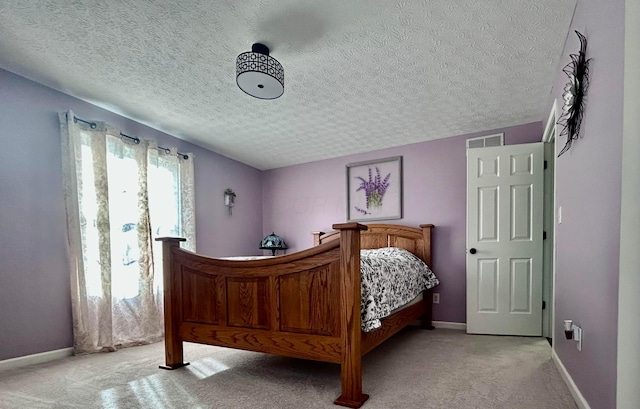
303 305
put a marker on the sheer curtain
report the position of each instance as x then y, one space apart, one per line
119 196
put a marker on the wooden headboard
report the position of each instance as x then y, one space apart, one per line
415 240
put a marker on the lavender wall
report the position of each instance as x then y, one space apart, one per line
304 198
35 312
588 189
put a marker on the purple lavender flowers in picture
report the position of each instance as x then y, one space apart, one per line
374 190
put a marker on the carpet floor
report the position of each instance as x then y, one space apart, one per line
414 369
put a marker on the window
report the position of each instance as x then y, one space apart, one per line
119 197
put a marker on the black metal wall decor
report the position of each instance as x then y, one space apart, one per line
574 95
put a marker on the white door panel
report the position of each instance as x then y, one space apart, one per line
504 226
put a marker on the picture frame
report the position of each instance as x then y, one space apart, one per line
374 189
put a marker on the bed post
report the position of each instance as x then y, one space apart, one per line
350 326
425 320
172 344
426 237
316 237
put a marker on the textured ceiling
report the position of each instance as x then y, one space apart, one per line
360 75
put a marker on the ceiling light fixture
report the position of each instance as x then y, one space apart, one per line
259 74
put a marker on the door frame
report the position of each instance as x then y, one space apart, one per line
549 275
628 367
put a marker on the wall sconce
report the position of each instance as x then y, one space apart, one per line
229 199
273 242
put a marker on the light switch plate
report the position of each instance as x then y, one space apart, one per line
559 214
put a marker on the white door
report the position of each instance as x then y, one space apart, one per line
504 239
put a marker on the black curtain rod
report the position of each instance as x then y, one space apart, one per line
168 151
135 140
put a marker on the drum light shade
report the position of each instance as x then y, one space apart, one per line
259 74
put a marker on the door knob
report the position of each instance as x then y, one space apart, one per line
473 251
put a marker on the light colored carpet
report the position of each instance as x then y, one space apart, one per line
414 369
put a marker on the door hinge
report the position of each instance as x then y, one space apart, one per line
544 235
545 164
544 305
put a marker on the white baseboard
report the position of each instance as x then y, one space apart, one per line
35 359
575 392
450 325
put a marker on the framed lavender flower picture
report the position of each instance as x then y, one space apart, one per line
374 190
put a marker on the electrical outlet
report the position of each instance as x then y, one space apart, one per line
436 298
578 336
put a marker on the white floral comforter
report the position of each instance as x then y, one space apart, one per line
391 277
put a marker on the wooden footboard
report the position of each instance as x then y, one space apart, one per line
302 305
